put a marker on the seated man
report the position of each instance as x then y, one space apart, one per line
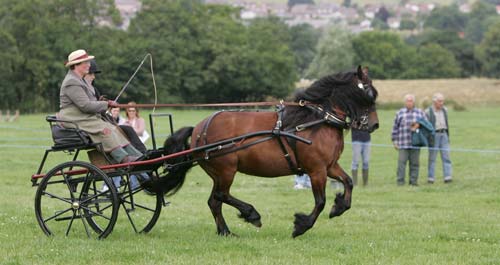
78 103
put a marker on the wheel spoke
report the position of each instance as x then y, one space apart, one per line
139 205
130 218
84 181
53 196
70 223
84 224
57 214
96 213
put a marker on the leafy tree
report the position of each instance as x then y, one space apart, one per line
273 65
379 24
204 54
386 54
407 24
42 44
435 61
10 60
304 39
481 17
489 52
382 14
335 53
446 18
462 49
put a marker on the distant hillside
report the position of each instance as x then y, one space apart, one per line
473 91
361 2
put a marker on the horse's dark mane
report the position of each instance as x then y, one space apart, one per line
339 90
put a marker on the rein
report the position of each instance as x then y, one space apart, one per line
240 104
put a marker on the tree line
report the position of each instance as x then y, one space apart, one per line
206 53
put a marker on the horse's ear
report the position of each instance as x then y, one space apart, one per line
360 72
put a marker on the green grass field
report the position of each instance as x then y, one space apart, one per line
456 223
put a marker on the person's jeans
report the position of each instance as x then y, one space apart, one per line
134 182
442 145
303 180
360 150
413 156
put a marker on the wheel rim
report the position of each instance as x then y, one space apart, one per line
66 203
141 209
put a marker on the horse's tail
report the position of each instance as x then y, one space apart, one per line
177 167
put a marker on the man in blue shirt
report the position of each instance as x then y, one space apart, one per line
404 123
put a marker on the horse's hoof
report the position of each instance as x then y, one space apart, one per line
224 233
332 214
257 223
297 232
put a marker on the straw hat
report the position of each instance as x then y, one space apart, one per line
77 57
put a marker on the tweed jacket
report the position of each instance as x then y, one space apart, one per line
79 104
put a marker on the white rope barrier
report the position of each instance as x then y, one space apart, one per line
452 150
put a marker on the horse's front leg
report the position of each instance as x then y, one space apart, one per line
342 201
304 222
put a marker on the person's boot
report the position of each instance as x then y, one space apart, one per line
365 177
354 176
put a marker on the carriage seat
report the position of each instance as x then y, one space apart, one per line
68 138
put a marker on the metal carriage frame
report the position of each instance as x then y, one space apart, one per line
82 197
74 191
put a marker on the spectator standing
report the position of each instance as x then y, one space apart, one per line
360 152
438 116
404 123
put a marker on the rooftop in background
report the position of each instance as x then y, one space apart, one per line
322 13
127 9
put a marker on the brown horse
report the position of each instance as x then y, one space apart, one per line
326 108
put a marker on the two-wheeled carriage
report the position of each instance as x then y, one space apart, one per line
78 196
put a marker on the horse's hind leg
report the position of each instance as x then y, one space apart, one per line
215 206
304 222
342 201
220 194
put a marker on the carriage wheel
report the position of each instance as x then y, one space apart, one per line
141 208
69 200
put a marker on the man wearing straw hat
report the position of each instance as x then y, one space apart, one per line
79 104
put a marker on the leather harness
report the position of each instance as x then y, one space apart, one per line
337 119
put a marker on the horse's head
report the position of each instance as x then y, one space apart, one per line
349 95
365 117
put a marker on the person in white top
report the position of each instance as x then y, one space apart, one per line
135 121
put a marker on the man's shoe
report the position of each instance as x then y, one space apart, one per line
447 181
430 181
